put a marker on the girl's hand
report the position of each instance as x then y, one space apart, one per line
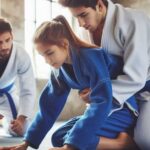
57 148
65 147
7 148
22 146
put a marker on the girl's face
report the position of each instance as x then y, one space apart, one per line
54 55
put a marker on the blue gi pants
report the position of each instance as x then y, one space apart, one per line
119 121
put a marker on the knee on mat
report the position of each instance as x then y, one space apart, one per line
57 140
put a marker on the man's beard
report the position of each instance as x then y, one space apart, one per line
5 56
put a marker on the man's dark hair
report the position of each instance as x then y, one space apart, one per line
5 26
78 3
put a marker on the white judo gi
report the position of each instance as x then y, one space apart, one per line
126 33
18 67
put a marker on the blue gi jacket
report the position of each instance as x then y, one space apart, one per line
90 67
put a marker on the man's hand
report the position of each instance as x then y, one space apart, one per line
84 95
18 125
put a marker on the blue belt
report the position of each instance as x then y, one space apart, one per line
10 100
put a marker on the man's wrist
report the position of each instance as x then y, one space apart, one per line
21 117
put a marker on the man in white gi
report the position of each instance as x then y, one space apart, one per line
15 108
124 32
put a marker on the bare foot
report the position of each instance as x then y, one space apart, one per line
122 142
126 141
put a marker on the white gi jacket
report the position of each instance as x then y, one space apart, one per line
19 65
126 33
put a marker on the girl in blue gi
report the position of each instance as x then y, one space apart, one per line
78 65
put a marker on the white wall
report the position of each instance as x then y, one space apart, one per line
13 10
143 5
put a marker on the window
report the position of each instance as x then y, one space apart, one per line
37 11
0 7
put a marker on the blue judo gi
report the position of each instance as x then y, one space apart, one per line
90 69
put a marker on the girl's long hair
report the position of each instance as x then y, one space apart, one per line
53 32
